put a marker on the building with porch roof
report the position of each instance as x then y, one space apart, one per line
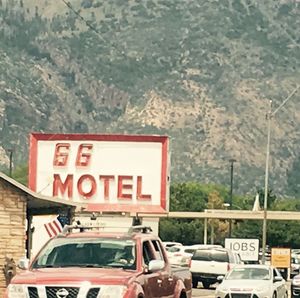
18 204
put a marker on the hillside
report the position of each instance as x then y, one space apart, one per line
202 72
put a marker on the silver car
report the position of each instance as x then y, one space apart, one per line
252 281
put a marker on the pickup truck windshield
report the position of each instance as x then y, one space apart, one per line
88 252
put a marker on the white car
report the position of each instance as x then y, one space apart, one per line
181 255
295 265
207 264
177 255
256 281
295 286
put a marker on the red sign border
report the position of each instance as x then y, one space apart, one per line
164 140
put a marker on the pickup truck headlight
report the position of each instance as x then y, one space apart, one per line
16 291
112 291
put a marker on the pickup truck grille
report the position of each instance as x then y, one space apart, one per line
33 292
93 293
245 295
52 292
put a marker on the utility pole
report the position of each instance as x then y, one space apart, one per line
232 161
269 116
10 161
205 231
212 232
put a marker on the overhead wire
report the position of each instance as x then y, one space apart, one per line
69 5
95 30
90 26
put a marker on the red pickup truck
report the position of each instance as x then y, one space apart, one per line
93 264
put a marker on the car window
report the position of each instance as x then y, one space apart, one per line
219 256
158 251
147 253
202 255
211 255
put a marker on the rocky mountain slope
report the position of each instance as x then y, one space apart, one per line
202 72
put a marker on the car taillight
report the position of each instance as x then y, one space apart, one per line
190 263
177 255
228 267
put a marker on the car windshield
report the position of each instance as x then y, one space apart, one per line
249 273
87 252
210 255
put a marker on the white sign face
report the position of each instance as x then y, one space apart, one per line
248 249
108 172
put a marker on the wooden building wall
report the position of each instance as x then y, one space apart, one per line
12 227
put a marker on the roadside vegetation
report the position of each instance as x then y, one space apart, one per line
196 197
192 196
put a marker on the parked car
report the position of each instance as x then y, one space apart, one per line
295 265
207 264
267 257
181 255
296 251
192 248
295 286
178 255
96 264
257 281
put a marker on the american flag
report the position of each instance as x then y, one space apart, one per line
53 227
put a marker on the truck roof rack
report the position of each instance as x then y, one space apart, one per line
140 229
68 228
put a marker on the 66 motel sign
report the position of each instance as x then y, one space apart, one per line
110 172
248 249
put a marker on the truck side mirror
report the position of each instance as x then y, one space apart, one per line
23 263
156 265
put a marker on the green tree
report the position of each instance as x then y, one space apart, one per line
187 196
218 227
187 231
20 174
271 198
192 196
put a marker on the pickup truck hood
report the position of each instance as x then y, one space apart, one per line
75 275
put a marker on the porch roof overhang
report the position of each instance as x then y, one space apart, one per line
38 204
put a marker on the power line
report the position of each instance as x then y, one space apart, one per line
95 30
88 24
283 103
